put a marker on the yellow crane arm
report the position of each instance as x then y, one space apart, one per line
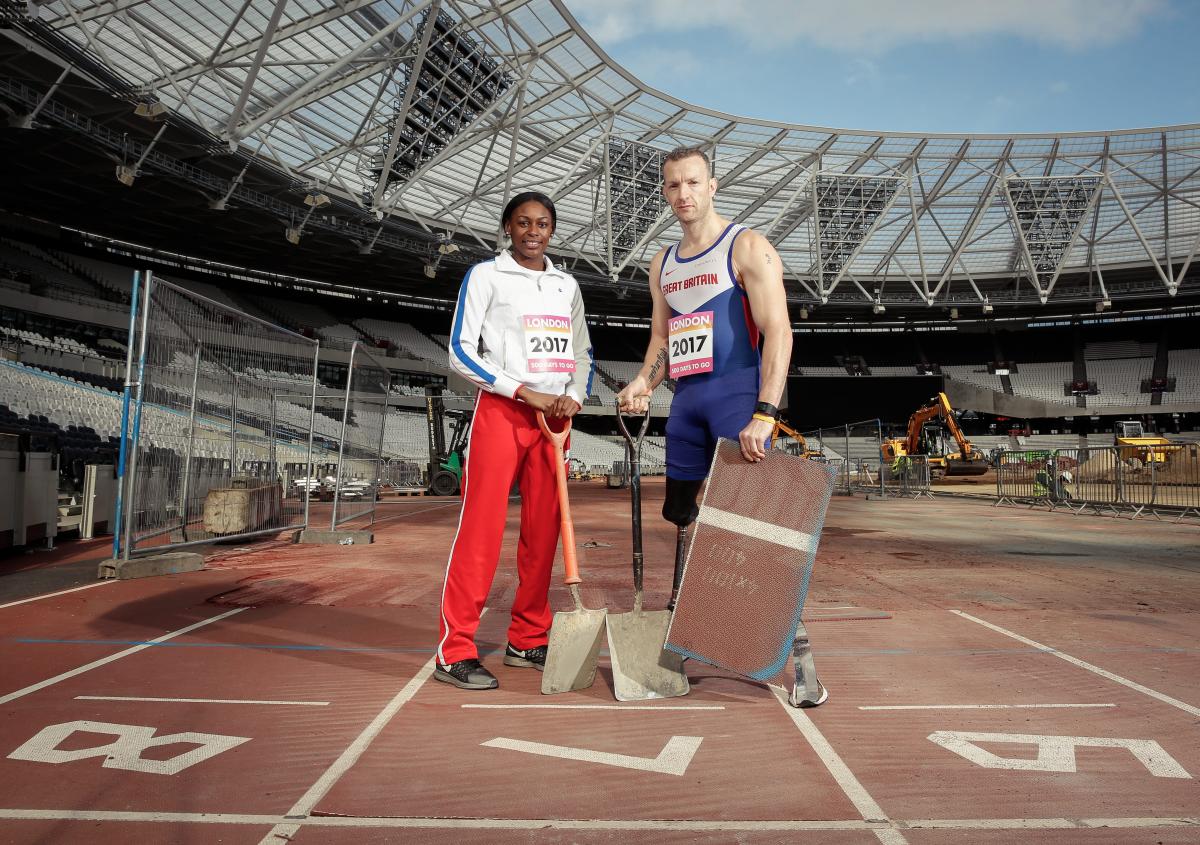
964 445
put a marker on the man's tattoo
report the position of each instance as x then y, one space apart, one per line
768 257
657 366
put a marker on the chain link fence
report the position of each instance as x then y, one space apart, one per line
853 450
360 460
204 433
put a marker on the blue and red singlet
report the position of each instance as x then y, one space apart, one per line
712 345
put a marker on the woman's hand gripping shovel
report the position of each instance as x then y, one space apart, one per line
575 635
641 667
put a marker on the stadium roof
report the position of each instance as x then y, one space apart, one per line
432 113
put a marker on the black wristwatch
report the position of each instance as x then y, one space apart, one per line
768 409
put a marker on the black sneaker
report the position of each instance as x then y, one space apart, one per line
531 657
466 674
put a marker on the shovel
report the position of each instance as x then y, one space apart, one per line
575 635
641 667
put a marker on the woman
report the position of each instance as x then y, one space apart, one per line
518 334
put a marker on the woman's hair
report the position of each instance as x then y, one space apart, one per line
529 196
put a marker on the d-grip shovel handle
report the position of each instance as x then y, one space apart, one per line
559 439
635 443
633 453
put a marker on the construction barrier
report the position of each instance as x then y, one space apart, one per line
907 475
854 450
360 458
1163 482
202 415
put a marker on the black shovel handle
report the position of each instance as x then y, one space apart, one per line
633 457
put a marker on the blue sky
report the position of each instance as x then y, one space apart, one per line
981 66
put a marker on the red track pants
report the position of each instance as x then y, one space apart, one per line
505 444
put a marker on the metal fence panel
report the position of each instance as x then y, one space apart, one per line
360 446
862 450
1163 481
908 475
1177 478
1016 474
401 474
1085 476
205 436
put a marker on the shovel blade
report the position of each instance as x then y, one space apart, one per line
573 650
641 667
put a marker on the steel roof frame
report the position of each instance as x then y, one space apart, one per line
298 83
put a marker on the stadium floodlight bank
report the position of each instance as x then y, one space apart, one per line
360 465
216 403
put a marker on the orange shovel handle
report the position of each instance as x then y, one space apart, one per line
559 438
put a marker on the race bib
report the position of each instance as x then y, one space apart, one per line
690 343
548 347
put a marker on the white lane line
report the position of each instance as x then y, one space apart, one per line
95 664
430 823
590 707
1127 823
1075 661
59 593
198 700
977 706
283 831
855 791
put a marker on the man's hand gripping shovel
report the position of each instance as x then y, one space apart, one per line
641 667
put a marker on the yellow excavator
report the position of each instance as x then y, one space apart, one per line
804 452
966 461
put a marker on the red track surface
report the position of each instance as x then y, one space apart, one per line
368 749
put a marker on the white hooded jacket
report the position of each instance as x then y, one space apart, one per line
514 326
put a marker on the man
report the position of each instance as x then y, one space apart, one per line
715 293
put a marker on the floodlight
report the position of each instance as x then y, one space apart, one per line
878 307
151 109
126 174
430 271
447 248
953 313
803 313
316 199
292 234
987 307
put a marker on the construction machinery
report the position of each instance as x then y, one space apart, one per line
801 449
922 439
444 477
1134 444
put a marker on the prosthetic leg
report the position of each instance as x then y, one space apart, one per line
807 691
680 508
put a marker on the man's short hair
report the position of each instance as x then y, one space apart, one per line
680 153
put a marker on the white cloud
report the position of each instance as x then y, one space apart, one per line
874 25
667 60
862 71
